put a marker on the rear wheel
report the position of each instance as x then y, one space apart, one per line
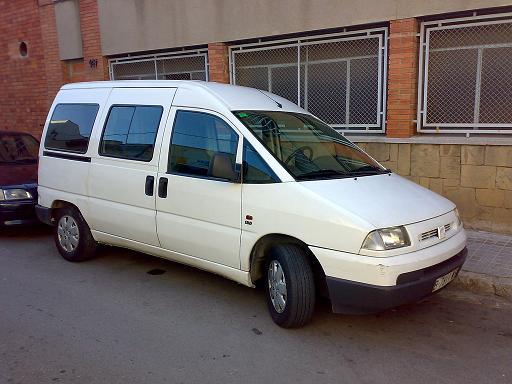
72 235
290 286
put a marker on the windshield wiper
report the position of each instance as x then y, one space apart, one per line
369 170
321 173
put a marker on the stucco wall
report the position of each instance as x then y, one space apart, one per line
139 25
67 15
477 178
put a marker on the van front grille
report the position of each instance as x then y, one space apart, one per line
434 232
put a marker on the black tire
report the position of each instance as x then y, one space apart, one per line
85 247
300 286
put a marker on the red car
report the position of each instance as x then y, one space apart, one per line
18 178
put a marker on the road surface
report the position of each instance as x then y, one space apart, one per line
110 321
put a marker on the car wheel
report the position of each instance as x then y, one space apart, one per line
290 286
73 236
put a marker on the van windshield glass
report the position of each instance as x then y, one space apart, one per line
308 148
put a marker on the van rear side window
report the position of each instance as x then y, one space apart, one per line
130 132
70 127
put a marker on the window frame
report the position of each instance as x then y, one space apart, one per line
275 177
90 134
105 127
209 113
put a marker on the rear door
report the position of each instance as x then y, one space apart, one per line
199 215
123 174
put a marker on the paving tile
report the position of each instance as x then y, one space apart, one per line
489 253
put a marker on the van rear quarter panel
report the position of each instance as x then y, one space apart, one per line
67 180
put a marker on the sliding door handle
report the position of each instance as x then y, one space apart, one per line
162 187
150 185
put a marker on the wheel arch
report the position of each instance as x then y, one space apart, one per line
260 252
59 204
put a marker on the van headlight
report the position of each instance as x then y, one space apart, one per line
14 194
387 238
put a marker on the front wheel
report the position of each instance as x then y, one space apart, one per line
72 236
290 286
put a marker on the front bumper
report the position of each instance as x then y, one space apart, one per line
352 297
17 212
44 214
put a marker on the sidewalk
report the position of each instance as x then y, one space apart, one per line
488 268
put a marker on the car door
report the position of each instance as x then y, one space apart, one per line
197 214
123 174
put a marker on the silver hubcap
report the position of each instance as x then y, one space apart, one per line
277 286
67 231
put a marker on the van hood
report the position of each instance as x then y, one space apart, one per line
382 200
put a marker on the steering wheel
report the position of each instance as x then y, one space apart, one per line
300 149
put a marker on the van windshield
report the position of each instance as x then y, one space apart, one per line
308 148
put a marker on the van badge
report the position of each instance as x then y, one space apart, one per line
248 219
441 232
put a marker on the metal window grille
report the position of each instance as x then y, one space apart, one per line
181 65
465 82
340 78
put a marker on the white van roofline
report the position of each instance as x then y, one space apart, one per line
193 93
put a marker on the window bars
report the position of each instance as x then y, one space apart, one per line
465 81
341 77
180 65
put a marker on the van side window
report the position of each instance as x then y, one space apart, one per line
255 169
70 127
130 132
196 138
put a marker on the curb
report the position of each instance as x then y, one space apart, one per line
483 284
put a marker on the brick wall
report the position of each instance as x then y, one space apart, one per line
29 84
95 65
477 178
24 84
218 62
402 77
52 64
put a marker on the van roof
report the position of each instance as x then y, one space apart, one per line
233 97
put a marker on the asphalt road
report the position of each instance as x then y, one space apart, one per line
109 321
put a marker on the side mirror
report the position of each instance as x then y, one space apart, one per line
222 167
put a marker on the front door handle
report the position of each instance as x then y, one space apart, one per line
162 187
150 185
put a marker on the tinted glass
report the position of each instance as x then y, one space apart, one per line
130 132
18 148
308 148
196 138
256 170
70 127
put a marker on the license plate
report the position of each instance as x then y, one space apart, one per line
443 280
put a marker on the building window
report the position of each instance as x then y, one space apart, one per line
130 132
184 65
196 138
465 82
339 78
70 127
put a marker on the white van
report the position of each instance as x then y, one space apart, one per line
245 184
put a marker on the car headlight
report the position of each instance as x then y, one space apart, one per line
386 238
14 194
